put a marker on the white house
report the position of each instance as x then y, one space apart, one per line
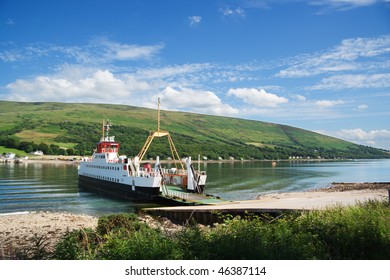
10 155
37 153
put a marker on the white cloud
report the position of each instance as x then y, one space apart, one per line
10 56
299 97
345 4
362 107
227 11
75 83
197 100
257 97
346 56
117 51
194 20
100 87
376 138
360 134
176 70
354 81
97 51
328 103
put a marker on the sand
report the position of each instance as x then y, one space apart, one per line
338 194
19 230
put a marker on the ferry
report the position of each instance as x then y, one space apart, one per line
108 172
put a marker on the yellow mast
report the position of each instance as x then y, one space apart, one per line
159 133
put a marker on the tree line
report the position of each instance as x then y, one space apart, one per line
132 139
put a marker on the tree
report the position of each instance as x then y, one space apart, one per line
44 148
12 142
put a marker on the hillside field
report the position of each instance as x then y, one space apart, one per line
56 128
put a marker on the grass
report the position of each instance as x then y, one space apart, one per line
48 115
4 150
338 233
36 136
41 122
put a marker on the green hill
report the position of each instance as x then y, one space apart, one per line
58 128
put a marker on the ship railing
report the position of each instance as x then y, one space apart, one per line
143 173
177 194
173 171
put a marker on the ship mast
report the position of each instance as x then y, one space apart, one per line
161 133
105 129
158 115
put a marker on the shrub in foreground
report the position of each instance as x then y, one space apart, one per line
358 232
117 237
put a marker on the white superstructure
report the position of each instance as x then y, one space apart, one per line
120 176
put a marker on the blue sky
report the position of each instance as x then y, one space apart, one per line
318 65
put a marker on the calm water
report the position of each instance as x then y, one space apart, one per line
35 186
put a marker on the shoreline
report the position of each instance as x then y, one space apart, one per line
77 159
337 194
18 229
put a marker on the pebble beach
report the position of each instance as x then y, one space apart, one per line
20 230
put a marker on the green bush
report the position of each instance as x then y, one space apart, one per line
247 238
78 245
144 244
355 232
194 243
118 222
117 237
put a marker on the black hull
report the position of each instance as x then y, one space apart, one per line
118 190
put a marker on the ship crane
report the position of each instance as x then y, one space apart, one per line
192 176
161 133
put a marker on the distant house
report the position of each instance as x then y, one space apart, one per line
10 155
37 153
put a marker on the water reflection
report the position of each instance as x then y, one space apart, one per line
246 180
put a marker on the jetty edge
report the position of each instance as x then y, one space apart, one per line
337 194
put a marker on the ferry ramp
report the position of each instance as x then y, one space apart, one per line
272 204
